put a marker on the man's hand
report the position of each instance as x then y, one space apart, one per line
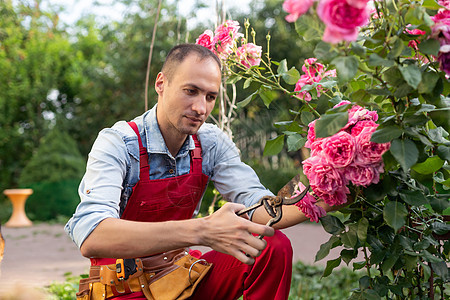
225 232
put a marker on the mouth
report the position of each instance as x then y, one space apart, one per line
194 119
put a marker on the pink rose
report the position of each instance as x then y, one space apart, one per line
444 3
441 28
341 19
225 36
339 149
356 130
311 137
322 176
307 205
304 80
206 40
311 66
368 152
358 3
338 197
296 8
363 175
249 54
444 59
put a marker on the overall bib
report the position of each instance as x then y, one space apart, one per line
176 199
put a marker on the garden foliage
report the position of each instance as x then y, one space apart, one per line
388 59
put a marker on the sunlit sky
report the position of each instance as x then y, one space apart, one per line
74 9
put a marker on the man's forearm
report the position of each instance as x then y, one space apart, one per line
117 238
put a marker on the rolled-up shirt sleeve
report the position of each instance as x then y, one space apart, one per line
235 180
101 186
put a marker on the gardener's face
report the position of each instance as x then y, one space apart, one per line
187 99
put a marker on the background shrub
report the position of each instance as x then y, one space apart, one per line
53 172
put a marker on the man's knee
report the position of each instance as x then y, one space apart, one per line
280 245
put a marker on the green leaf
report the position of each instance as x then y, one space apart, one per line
323 51
389 262
397 48
370 294
332 225
348 255
394 213
363 225
431 165
246 101
438 135
325 248
439 204
291 77
274 146
295 142
282 67
443 152
412 75
331 264
386 134
414 198
393 76
375 60
349 238
427 256
330 124
440 268
405 152
267 95
247 83
306 117
426 270
431 4
430 47
346 66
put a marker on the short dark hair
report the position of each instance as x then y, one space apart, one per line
179 53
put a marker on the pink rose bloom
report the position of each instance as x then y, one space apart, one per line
249 54
307 205
311 66
343 102
339 149
338 197
296 8
323 176
304 80
342 20
413 44
356 130
358 3
444 59
368 152
311 137
441 28
444 3
225 36
363 175
206 40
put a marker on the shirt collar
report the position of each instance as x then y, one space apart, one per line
155 140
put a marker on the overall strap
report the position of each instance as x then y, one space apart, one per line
196 156
143 155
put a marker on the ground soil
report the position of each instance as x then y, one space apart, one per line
41 254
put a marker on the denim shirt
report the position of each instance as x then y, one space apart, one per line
113 169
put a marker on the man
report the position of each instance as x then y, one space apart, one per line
123 214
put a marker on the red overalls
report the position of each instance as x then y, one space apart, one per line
176 198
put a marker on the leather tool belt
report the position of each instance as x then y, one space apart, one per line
170 275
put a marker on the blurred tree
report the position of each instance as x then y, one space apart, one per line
36 85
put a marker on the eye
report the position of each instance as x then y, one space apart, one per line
210 98
190 91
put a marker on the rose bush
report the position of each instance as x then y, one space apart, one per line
377 129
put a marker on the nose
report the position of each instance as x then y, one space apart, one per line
199 105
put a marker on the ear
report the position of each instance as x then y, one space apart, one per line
159 83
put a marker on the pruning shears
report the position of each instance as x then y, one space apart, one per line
274 204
